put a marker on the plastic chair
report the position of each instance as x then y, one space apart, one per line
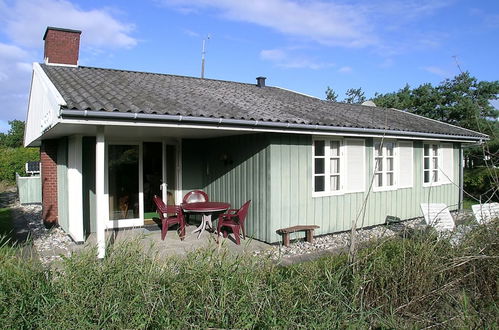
233 219
169 215
195 196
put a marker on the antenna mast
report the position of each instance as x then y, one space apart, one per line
457 63
203 53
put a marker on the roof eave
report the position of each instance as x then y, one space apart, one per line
219 122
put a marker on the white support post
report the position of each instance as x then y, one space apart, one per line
164 184
100 193
75 192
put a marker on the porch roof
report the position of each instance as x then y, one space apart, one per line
118 91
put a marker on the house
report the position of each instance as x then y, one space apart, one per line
111 139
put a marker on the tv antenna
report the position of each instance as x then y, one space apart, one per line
203 53
457 63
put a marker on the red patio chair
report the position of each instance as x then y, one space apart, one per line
195 196
169 215
233 219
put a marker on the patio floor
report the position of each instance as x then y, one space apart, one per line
150 236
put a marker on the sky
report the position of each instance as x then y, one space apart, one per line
302 45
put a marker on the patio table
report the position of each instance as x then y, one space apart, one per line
206 209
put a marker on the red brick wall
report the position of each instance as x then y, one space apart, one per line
62 47
48 161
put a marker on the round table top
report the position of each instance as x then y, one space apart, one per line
205 206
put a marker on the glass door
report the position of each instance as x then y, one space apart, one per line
171 175
123 185
159 176
153 176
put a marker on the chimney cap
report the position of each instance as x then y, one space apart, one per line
59 29
260 81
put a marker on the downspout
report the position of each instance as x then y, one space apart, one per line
249 123
461 178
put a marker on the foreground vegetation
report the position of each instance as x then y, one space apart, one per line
412 282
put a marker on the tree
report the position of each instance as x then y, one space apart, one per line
355 96
461 101
14 138
331 95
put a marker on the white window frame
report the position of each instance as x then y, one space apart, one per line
327 167
384 159
432 169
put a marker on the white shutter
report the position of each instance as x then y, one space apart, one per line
405 164
447 166
355 170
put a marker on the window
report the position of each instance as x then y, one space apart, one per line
327 166
431 159
384 164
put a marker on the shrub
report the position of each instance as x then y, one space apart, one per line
13 160
482 183
419 281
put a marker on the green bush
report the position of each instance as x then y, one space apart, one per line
482 183
13 160
414 282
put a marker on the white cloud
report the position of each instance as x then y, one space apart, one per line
291 60
345 69
324 22
272 54
26 21
23 22
437 71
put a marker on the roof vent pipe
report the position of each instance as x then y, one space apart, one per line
260 81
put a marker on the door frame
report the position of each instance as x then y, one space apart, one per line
133 222
137 222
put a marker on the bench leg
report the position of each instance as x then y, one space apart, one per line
285 239
309 235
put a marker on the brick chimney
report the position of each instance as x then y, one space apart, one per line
62 46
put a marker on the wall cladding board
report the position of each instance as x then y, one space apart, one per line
232 170
293 204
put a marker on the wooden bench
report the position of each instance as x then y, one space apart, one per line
308 229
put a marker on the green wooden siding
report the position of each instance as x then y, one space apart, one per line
88 169
232 169
62 184
29 189
291 191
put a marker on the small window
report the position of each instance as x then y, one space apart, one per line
384 164
431 160
327 166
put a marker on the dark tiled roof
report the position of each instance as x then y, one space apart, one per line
95 89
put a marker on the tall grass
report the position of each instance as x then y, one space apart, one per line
417 281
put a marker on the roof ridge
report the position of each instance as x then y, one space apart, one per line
163 74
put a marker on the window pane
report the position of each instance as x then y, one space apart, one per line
379 165
435 176
389 179
379 180
319 183
335 182
427 163
389 148
435 150
426 149
389 164
319 148
319 166
426 176
335 148
335 165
